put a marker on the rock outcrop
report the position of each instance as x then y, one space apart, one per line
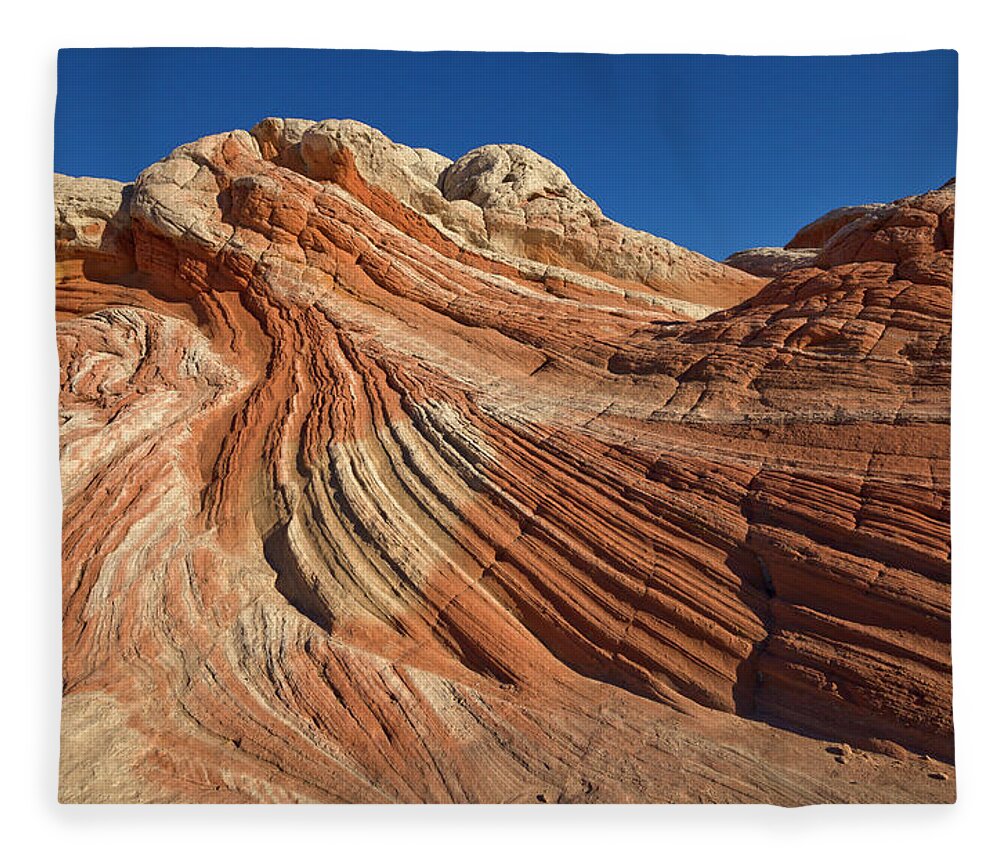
807 246
817 233
92 224
771 262
388 478
504 200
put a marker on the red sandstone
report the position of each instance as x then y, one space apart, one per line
357 511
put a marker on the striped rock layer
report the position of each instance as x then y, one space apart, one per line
391 479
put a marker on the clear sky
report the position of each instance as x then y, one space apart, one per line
716 153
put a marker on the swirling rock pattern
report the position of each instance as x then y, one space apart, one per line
365 503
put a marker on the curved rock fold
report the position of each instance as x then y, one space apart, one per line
390 478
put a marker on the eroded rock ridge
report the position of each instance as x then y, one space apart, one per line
391 478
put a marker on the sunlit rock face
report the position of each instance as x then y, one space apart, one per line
392 479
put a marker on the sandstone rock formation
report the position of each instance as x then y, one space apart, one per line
771 262
816 233
505 200
807 243
92 223
393 479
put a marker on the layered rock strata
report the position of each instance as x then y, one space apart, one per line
388 478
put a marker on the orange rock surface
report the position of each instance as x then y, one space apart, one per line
360 507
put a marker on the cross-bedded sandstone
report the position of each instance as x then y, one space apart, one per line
388 478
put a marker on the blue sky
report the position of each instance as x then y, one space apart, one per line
716 153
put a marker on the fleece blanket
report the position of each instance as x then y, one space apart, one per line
504 428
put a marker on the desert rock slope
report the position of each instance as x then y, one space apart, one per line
389 478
